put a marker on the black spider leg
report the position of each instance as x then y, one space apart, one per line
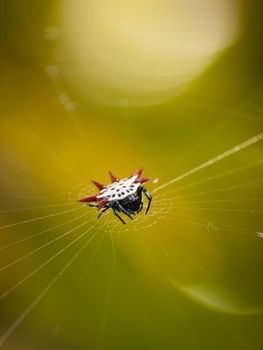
149 197
139 194
120 208
103 210
140 209
93 205
115 211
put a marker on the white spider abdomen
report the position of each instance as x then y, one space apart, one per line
120 190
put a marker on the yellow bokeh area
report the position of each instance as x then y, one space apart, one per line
144 52
89 87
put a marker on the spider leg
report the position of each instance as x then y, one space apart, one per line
93 205
139 193
120 207
140 208
103 211
118 216
149 197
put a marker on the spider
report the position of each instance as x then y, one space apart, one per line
122 196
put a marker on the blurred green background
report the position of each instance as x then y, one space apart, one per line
88 87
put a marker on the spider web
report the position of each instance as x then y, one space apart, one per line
80 227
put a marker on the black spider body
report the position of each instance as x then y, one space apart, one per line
133 203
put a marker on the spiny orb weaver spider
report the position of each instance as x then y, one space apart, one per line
122 196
